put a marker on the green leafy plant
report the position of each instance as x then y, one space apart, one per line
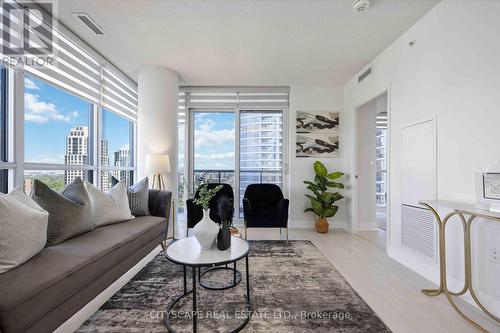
204 193
323 201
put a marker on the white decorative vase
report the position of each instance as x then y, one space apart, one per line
206 231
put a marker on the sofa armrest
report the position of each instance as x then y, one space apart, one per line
247 207
160 203
283 206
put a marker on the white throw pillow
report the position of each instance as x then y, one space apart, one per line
23 229
111 206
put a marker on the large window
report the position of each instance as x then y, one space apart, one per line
57 131
250 153
60 139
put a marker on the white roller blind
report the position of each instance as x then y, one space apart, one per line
234 97
119 93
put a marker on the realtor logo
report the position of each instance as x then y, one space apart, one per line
27 33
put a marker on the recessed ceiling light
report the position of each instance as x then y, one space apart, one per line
89 23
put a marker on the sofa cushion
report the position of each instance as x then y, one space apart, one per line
111 206
23 229
138 198
70 212
64 269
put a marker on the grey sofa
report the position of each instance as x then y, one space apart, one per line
48 289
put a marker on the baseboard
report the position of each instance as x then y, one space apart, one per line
428 270
309 224
73 323
370 226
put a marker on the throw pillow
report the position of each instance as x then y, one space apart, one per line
138 197
70 212
111 206
23 229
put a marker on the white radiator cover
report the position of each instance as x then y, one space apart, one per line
418 230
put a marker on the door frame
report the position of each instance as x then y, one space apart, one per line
355 197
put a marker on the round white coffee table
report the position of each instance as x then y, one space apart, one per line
188 253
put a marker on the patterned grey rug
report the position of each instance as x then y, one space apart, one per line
293 289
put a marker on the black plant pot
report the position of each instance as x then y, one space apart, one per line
224 237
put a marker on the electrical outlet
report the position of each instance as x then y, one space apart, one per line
495 256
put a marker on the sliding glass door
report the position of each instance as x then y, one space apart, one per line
238 147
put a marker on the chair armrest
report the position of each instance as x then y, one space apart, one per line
247 207
159 203
283 206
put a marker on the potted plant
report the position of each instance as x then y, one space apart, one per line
206 230
322 201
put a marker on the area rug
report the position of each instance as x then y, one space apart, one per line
294 288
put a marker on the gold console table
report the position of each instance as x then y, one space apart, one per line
467 213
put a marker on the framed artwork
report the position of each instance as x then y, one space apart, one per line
317 134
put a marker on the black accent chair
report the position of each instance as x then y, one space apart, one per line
265 207
195 212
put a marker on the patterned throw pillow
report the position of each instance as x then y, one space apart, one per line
70 212
23 229
111 206
138 197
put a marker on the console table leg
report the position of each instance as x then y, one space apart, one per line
195 309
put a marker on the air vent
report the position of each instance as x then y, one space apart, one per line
418 230
90 23
364 75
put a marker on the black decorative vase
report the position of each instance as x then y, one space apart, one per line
224 237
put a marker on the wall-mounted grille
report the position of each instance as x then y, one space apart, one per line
365 74
418 230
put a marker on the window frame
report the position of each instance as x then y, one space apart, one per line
4 126
189 146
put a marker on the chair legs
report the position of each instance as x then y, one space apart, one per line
287 243
245 230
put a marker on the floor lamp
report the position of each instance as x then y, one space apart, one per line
158 164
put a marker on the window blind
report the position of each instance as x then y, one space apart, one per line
233 97
76 67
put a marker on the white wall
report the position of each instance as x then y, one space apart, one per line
313 98
451 73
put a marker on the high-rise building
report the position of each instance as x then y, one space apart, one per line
76 152
261 148
122 159
104 161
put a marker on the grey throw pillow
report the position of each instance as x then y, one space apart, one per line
23 229
70 212
111 206
138 197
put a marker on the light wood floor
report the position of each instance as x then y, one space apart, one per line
390 289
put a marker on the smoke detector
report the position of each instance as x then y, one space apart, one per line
360 5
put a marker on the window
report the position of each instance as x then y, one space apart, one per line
57 125
115 150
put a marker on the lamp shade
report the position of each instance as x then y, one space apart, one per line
157 163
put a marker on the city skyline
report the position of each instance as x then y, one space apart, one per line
50 113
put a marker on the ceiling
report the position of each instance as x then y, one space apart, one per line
244 42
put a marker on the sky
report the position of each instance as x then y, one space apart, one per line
214 140
50 113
